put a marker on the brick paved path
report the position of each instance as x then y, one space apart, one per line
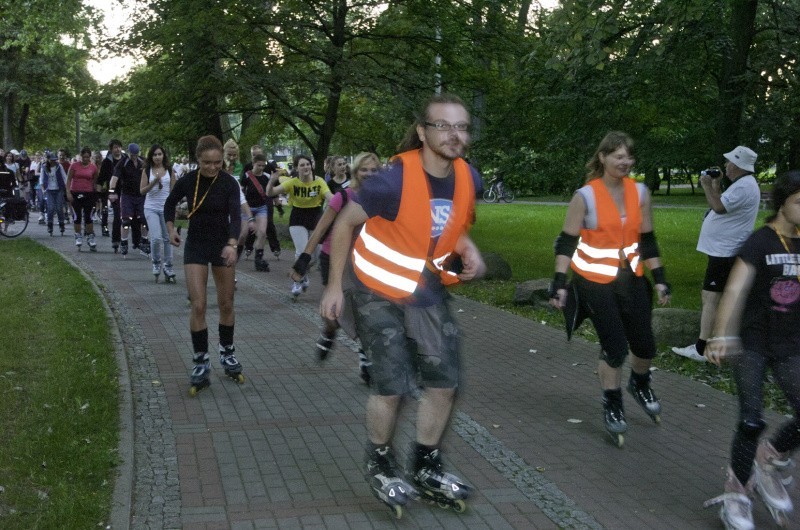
285 449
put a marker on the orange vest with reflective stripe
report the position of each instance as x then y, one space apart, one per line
389 256
601 250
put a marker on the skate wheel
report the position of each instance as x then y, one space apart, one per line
459 506
443 505
397 511
657 419
193 391
240 379
620 440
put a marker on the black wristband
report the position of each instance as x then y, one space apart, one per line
660 276
559 282
301 264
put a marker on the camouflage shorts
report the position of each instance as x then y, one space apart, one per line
406 342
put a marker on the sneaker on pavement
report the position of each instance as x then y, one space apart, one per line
690 352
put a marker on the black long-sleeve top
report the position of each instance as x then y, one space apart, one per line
218 216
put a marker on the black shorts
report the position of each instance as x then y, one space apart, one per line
305 217
204 253
717 272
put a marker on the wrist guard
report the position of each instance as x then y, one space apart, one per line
648 246
565 244
660 276
559 282
301 264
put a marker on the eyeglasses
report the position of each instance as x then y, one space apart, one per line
443 126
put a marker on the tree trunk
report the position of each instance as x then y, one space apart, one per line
668 177
733 81
651 178
8 109
22 125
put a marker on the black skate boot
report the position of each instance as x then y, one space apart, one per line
386 482
261 265
50 230
123 248
325 344
144 247
432 484
614 416
228 361
364 365
106 233
639 388
199 379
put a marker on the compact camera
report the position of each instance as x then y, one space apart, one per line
712 172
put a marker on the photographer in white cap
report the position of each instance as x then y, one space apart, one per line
726 225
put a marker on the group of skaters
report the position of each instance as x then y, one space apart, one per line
393 237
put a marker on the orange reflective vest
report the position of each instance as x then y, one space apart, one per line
389 256
601 250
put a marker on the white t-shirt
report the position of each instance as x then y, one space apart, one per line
723 233
155 198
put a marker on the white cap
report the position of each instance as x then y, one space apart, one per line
743 157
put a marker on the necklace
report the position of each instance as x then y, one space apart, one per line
785 244
195 204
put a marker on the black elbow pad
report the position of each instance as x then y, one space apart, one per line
565 245
648 246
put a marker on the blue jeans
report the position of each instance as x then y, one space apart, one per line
55 206
158 234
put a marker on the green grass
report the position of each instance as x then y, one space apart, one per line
523 235
59 394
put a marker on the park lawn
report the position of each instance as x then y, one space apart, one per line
59 394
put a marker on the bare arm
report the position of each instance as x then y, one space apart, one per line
474 266
274 188
70 174
725 340
144 185
573 221
348 219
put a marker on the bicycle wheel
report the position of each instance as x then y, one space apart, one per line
10 227
489 195
508 195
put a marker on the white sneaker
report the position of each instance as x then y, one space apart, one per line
690 352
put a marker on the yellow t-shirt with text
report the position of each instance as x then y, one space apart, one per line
306 194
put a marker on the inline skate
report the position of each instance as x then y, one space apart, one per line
144 247
199 378
106 233
260 264
383 478
91 242
228 361
639 387
433 485
297 289
614 416
736 511
78 241
325 344
169 274
768 470
304 283
123 248
156 269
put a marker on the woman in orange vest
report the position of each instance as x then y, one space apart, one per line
607 236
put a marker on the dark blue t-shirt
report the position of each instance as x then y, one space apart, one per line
380 196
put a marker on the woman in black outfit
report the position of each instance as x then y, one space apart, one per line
214 224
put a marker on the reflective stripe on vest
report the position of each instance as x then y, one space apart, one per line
600 250
389 257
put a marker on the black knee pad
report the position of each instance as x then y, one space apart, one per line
751 430
126 222
613 362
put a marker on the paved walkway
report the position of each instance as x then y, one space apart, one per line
285 449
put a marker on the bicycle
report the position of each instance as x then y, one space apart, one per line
497 191
13 216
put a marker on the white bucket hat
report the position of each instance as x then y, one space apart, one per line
743 157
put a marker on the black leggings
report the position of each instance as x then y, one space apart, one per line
82 205
620 312
749 370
